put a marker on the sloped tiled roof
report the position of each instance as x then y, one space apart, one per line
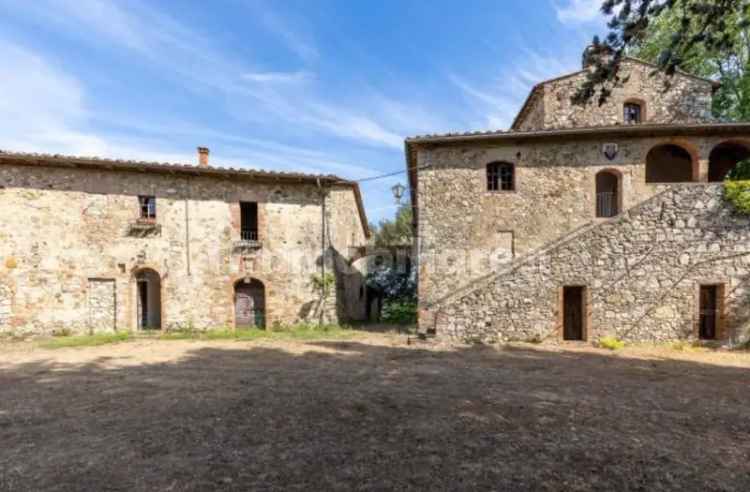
58 160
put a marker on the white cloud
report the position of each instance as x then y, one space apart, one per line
279 77
498 101
578 11
294 39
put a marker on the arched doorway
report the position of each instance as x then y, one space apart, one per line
148 299
249 304
607 194
669 163
723 159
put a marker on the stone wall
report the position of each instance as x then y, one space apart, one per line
63 228
642 271
463 228
679 99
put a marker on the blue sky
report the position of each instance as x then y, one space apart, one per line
322 86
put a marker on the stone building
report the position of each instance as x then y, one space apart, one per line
96 245
586 221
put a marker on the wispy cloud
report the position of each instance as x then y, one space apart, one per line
279 77
578 11
498 100
294 39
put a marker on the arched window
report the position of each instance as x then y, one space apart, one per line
669 164
632 113
501 176
607 194
724 158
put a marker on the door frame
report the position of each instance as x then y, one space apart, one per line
585 312
721 317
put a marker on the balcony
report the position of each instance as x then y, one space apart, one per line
248 240
144 227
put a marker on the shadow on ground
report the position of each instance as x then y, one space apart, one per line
350 415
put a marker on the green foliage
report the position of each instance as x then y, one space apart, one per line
85 341
399 312
708 38
611 343
738 194
323 283
740 172
398 231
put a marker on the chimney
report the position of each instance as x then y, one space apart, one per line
203 156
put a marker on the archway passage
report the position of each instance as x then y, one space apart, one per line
723 159
669 164
148 295
607 194
249 304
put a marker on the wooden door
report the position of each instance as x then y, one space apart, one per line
249 305
708 312
573 313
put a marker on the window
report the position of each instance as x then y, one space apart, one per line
148 207
249 221
607 199
500 177
632 113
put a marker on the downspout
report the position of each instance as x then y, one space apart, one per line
322 249
187 226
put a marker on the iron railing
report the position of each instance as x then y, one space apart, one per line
606 204
249 235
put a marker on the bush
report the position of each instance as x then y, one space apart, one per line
62 332
611 343
738 194
399 312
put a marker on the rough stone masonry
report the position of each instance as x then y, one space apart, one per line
93 245
585 221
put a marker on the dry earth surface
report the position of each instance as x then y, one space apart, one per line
372 414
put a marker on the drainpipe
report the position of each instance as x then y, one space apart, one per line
187 225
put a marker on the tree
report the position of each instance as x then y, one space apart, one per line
396 232
706 37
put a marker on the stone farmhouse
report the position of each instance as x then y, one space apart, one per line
97 245
586 221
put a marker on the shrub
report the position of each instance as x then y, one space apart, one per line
611 343
738 194
399 312
62 332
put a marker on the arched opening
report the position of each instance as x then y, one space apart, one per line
249 304
501 176
724 158
669 163
607 194
148 299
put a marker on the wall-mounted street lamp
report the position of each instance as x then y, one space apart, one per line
398 192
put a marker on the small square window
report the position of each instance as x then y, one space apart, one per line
632 113
147 207
500 177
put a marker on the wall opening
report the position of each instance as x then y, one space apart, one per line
709 320
501 176
724 158
574 313
607 194
669 164
632 113
249 304
249 221
148 297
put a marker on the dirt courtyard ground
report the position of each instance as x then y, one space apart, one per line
371 414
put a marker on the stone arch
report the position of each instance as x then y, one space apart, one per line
724 157
608 193
249 303
671 163
148 298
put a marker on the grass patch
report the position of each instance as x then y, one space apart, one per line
611 343
687 346
297 332
85 340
